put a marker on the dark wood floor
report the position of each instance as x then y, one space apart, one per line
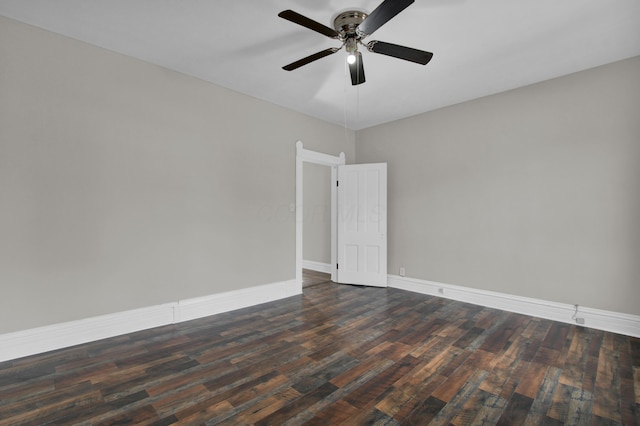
311 278
336 355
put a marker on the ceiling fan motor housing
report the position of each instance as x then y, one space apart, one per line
347 23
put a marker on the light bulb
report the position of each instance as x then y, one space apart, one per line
351 59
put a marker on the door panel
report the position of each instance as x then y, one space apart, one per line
362 224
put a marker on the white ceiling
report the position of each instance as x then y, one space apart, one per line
480 47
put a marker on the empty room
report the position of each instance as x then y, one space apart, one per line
272 212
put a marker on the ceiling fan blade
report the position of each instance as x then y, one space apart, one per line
296 18
401 52
357 70
382 14
304 61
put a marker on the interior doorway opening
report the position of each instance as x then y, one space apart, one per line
316 213
307 156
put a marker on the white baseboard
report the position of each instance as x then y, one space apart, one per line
237 299
594 318
43 339
316 266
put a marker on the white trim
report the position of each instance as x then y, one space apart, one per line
318 157
299 210
615 322
316 266
57 336
305 155
333 266
43 339
237 299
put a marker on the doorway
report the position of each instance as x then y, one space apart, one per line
306 156
316 212
358 219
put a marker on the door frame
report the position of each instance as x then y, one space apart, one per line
304 155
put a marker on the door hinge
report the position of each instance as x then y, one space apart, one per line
337 266
337 183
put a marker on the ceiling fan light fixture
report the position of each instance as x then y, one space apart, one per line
351 46
351 27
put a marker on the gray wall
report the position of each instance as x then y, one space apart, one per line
316 232
532 192
124 185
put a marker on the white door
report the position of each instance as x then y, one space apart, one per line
362 224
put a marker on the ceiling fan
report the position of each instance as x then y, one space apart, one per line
351 27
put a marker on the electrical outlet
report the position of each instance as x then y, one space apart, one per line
401 271
441 290
579 320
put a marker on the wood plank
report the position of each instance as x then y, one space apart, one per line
454 383
425 411
46 407
636 384
538 412
172 402
377 386
576 360
500 337
628 409
513 381
556 337
333 414
359 370
463 394
140 415
408 397
422 380
207 412
490 409
579 409
560 402
532 380
606 395
468 337
516 410
504 366
288 411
